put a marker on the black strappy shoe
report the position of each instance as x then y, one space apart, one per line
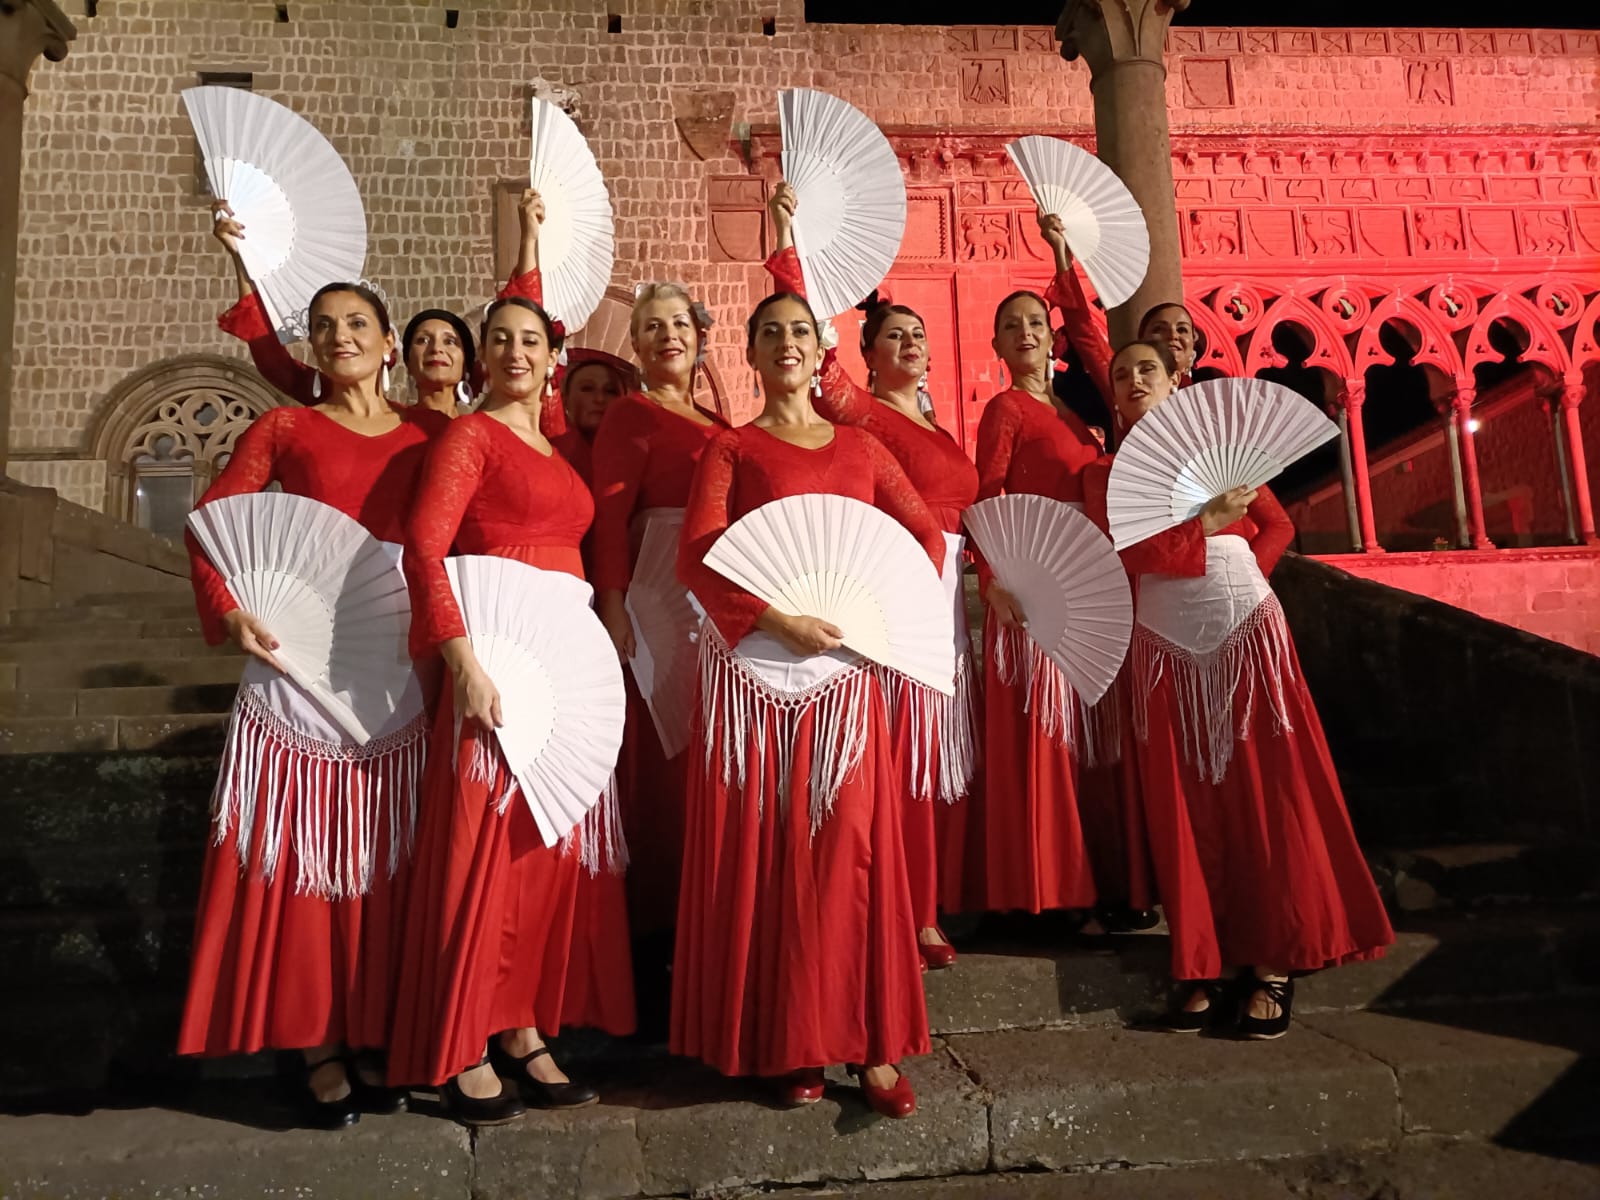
500 1109
376 1098
1266 1029
1178 1019
536 1092
329 1114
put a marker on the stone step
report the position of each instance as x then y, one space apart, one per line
160 608
177 591
114 799
135 669
1478 875
1076 1107
39 702
107 650
187 733
186 627
157 701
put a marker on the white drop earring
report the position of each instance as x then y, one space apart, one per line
316 386
816 383
550 382
755 385
383 378
463 394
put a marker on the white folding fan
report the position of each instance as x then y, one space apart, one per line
304 224
561 697
832 557
326 589
850 197
1202 441
1104 226
666 628
1069 581
577 239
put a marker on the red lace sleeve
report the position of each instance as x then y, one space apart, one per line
1274 530
450 478
893 493
247 321
529 285
621 453
1066 293
733 610
250 468
784 267
1096 483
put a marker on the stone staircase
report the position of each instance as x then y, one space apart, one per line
1472 1043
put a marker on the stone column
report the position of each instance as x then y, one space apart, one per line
28 28
1571 396
1352 400
1461 416
1122 41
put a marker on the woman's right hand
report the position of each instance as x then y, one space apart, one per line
782 207
476 697
227 229
250 635
613 611
1226 509
1006 608
806 635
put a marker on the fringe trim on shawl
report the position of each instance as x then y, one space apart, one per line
1047 696
1212 710
1100 725
597 839
736 704
332 799
944 748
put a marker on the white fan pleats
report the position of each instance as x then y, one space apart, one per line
304 223
666 626
1202 441
330 592
851 197
577 239
1104 225
844 561
561 694
1069 581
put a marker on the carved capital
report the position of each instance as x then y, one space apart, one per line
1353 396
1105 32
1572 395
29 28
1461 403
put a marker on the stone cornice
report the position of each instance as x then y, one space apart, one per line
1277 40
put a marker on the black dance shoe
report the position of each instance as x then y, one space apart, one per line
1266 1029
500 1109
535 1092
329 1114
375 1098
1178 1019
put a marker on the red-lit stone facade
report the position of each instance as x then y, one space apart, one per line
1328 179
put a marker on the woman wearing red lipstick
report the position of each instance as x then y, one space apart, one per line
933 733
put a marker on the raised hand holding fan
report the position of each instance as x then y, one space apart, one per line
1104 225
562 702
304 223
850 212
1068 580
844 561
327 589
1202 441
577 239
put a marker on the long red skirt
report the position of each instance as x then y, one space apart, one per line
489 924
1109 806
650 794
795 950
1022 838
599 991
1263 868
277 963
921 820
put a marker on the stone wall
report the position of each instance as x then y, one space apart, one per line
118 271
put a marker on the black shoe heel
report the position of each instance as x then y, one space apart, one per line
330 1114
500 1109
1178 1019
1266 1029
375 1098
535 1092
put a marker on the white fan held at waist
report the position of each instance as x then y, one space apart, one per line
326 589
1103 223
577 240
562 702
1068 580
1202 441
820 555
292 192
666 623
850 197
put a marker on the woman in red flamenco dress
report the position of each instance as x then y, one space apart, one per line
935 735
796 940
1258 867
297 928
490 922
